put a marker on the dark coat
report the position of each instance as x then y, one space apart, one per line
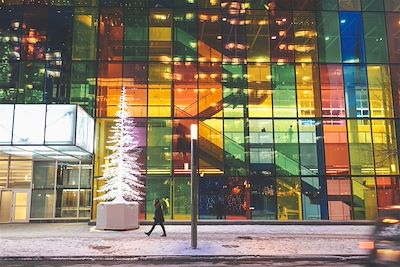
158 215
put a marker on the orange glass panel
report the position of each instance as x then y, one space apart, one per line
109 84
185 89
335 138
159 93
339 199
135 81
210 90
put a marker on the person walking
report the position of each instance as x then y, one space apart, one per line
158 218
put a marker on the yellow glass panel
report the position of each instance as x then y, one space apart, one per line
259 92
385 147
160 34
159 103
305 90
380 92
361 154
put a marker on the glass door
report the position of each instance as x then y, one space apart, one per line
5 206
21 205
14 205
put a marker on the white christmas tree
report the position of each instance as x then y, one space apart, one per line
122 173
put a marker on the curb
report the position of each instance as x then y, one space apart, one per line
191 259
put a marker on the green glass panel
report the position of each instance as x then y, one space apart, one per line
185 3
284 90
182 202
185 36
86 2
85 34
158 188
289 198
286 147
83 85
8 81
375 37
258 4
234 145
31 83
234 84
311 198
136 36
326 4
372 5
328 37
159 146
308 147
364 198
360 147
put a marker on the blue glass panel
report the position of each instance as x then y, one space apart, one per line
352 37
356 91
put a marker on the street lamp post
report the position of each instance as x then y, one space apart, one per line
195 183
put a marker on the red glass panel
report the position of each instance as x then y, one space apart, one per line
388 191
339 198
332 91
111 34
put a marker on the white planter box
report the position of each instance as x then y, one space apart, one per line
117 216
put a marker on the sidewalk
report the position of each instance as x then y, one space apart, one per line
62 240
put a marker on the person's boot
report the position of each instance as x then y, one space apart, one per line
147 233
163 235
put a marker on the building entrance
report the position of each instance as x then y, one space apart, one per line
15 205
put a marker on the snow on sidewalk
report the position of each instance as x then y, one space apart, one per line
79 239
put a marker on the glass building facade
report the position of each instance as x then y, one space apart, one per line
297 102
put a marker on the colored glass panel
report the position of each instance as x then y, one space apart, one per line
259 90
261 147
109 83
209 38
257 36
336 143
185 89
388 189
380 92
85 34
328 33
305 37
181 145
364 198
339 199
372 5
353 5
332 91
111 34
308 147
360 147
392 5
311 198
160 35
286 147
308 91
210 102
233 36
326 4
289 198
159 146
185 35
234 146
393 31
182 204
385 147
375 37
284 93
263 195
282 37
352 37
83 81
159 92
234 84
157 188
136 35
135 82
356 91
211 146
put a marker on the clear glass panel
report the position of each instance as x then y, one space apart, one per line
60 117
84 130
372 5
182 205
7 112
158 188
261 147
3 173
20 174
305 36
67 203
20 206
84 203
29 124
42 203
211 198
349 5
259 90
263 199
257 34
43 175
311 198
